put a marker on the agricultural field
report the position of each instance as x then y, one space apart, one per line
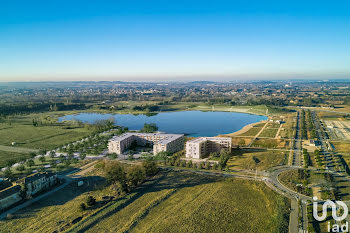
262 160
174 201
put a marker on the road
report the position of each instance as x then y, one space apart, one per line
297 143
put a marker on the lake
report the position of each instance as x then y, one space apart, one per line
191 123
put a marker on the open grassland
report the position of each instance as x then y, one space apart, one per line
241 141
262 160
342 147
251 132
269 133
14 156
172 202
271 143
21 131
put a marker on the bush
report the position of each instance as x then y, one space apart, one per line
82 207
90 201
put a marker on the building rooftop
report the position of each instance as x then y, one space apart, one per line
9 191
33 177
165 138
203 139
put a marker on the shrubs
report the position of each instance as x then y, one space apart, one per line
82 207
90 201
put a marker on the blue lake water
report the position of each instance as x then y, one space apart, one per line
192 123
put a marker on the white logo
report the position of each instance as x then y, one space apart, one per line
334 210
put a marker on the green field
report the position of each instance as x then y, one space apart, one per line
251 132
5 156
269 133
173 202
265 159
21 131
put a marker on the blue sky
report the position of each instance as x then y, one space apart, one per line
173 40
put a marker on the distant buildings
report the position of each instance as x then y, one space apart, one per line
161 142
203 146
26 187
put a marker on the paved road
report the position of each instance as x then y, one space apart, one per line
297 143
294 216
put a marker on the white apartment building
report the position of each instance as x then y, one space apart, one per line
161 142
200 147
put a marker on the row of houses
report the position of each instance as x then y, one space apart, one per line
26 188
196 148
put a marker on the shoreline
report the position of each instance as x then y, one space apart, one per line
245 129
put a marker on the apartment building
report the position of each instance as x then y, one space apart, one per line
38 182
201 147
161 142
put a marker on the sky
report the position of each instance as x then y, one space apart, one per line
139 40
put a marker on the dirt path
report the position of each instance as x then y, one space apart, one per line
257 135
244 129
278 132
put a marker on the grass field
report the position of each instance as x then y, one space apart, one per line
5 155
271 143
251 132
342 147
21 131
270 133
265 159
174 202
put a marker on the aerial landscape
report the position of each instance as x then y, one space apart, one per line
174 117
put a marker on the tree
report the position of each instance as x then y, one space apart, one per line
32 155
150 167
30 163
90 201
42 159
113 156
20 168
135 175
42 151
8 172
224 157
52 154
67 162
149 128
82 156
115 172
82 206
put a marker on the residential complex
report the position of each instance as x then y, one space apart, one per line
203 146
161 142
26 187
